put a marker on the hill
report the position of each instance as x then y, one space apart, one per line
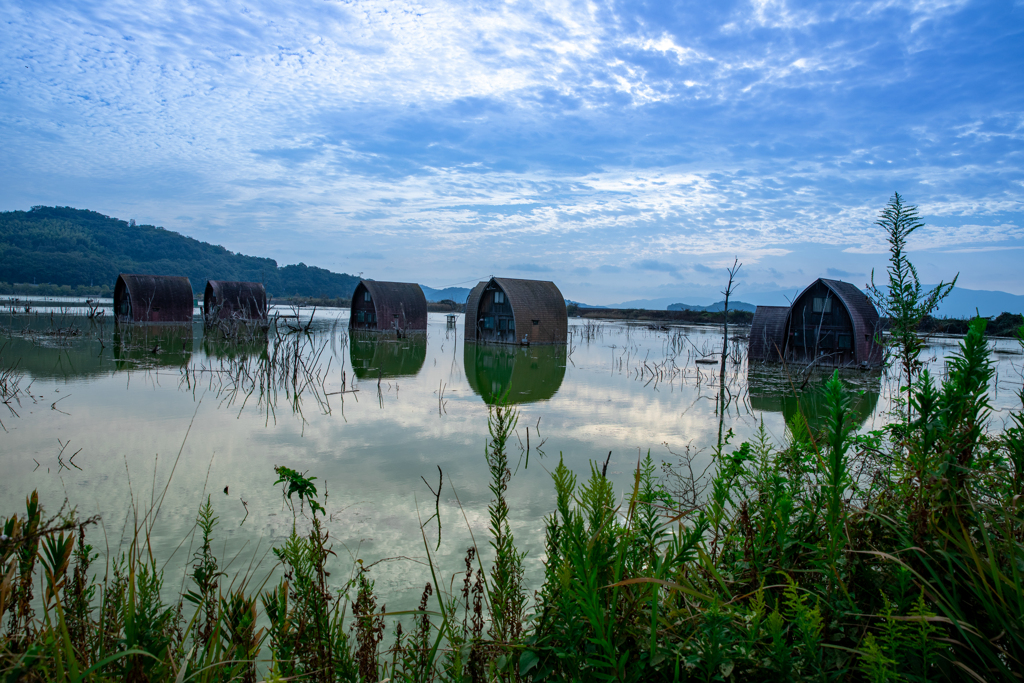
75 247
717 306
456 294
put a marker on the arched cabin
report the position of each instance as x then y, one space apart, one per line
510 311
388 306
831 321
227 300
153 299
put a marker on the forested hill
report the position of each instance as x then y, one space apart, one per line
66 246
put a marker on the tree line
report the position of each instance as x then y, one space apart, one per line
82 250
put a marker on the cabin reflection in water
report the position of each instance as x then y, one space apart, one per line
146 346
221 348
514 374
374 356
771 391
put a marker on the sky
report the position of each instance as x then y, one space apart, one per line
624 150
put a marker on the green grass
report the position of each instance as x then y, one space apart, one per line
789 566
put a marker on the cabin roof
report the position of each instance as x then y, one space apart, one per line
768 333
248 298
156 298
403 301
530 300
472 308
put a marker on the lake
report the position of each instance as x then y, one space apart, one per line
118 420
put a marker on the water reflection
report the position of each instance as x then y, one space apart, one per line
224 348
374 357
527 373
771 390
147 346
45 358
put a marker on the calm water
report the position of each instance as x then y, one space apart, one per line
103 415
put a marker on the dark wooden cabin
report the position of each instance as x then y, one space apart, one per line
768 334
836 321
227 300
510 311
398 307
153 299
831 321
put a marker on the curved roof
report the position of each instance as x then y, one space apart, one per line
862 313
531 300
768 333
245 300
401 302
155 298
472 308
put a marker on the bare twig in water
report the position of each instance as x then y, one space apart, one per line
437 503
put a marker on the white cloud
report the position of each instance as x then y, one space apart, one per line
289 129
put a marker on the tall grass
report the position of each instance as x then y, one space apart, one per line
892 555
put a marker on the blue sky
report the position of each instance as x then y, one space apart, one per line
623 150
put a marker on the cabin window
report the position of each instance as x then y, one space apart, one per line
499 297
822 304
488 323
536 322
845 341
502 324
366 296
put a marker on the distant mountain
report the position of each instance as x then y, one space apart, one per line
715 307
456 294
66 246
647 304
580 304
961 303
